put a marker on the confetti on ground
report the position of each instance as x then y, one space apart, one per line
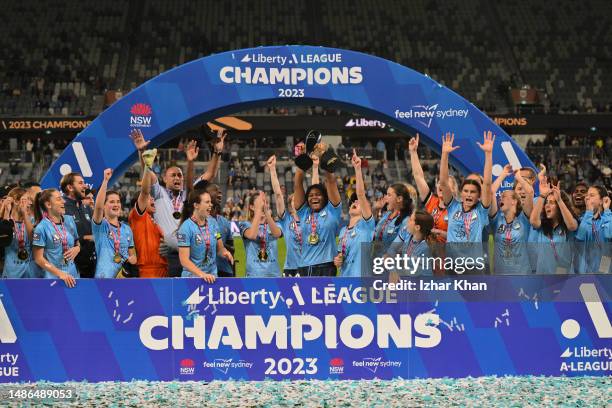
496 391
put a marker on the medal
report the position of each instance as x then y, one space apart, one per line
262 255
177 204
116 242
313 238
297 233
22 254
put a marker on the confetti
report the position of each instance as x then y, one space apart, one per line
110 294
445 392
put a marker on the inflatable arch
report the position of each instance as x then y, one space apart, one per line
210 87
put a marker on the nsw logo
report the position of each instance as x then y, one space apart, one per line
141 114
187 366
336 366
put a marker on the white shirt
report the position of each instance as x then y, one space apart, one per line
163 213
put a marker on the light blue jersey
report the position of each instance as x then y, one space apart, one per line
256 267
350 244
388 228
326 224
606 227
591 242
293 240
418 251
105 236
191 235
54 238
225 229
13 266
554 253
510 243
465 232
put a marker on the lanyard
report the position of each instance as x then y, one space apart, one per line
61 231
116 236
297 232
177 202
509 233
390 218
410 248
205 236
344 238
262 236
313 223
467 223
19 234
595 232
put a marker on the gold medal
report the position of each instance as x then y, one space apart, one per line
22 254
262 255
117 258
313 239
176 215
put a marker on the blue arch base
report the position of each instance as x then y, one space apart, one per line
204 89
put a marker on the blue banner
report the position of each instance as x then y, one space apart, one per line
324 328
202 90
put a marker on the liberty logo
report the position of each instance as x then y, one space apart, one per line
7 333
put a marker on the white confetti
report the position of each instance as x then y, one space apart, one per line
507 322
116 302
110 294
130 303
114 313
507 313
53 283
129 318
118 317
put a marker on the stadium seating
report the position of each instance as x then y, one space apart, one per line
478 48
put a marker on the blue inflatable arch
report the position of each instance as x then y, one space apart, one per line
205 89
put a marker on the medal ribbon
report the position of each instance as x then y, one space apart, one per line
387 221
177 202
63 234
313 223
410 248
116 235
467 223
262 237
205 236
509 233
297 232
595 232
344 238
19 234
554 247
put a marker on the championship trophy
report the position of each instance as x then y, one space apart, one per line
313 145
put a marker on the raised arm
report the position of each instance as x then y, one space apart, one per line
24 205
447 148
495 187
186 263
417 170
98 212
191 152
315 169
487 148
528 188
274 228
366 209
332 189
568 217
215 160
145 183
276 188
299 195
252 232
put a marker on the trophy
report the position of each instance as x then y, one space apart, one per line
148 157
313 145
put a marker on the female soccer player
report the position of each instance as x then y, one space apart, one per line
467 218
55 240
260 235
18 255
399 207
359 229
593 243
511 226
414 241
114 239
555 225
289 223
199 238
319 210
